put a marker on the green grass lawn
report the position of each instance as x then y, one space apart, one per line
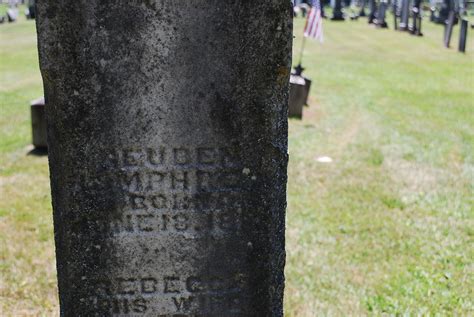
386 228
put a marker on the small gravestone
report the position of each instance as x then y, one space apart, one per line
167 139
298 95
38 123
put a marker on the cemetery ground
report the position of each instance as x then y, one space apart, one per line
387 227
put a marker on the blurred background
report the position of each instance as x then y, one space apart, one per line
380 215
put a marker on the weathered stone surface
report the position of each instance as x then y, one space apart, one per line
167 133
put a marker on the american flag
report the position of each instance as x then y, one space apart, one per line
314 23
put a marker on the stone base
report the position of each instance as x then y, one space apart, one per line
38 124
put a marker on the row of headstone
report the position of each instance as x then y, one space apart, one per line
376 15
404 10
408 17
451 13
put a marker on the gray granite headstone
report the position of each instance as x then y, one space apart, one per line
298 96
167 134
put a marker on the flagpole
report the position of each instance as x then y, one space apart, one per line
299 68
302 49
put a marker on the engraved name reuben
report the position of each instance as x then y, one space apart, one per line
195 194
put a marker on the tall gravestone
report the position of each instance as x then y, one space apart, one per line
167 133
404 15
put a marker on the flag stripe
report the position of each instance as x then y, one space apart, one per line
314 22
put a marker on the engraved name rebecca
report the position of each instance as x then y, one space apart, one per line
179 294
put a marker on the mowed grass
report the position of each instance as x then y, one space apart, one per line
386 228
